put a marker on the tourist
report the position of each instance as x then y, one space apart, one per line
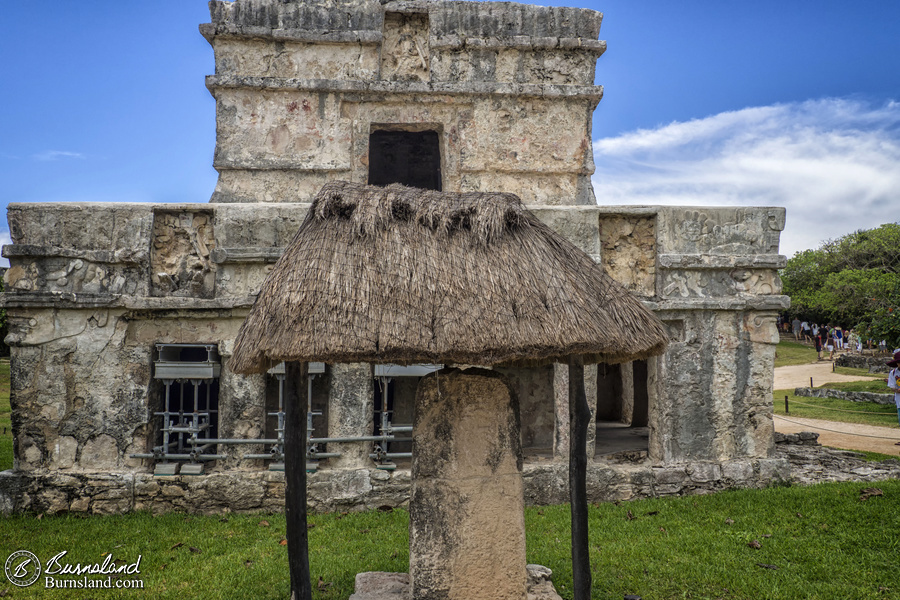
892 381
796 326
804 330
818 340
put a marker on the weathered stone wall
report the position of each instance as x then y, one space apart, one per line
885 399
353 489
875 364
509 89
82 387
299 88
718 292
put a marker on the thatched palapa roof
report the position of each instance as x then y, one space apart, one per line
402 275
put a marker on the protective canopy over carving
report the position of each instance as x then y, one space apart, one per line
404 275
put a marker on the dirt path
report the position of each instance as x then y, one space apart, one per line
788 378
849 436
852 436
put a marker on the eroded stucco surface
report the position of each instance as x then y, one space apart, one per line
92 289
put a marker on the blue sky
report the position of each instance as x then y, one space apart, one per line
785 103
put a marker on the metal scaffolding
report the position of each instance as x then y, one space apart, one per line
185 433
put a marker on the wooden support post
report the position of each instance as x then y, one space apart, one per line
295 401
786 405
579 419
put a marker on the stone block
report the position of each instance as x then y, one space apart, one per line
351 413
705 472
64 453
670 475
739 471
467 530
80 505
111 507
172 491
100 453
52 501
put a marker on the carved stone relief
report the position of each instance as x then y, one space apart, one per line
72 275
629 252
741 231
717 283
179 258
404 51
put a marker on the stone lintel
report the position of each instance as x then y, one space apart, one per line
193 304
764 303
124 256
454 41
135 207
58 300
211 31
246 255
592 93
78 300
716 261
627 211
290 164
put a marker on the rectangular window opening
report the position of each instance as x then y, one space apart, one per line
187 403
411 158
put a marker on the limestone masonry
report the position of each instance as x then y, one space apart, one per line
123 316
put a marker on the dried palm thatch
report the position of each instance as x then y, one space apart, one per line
404 275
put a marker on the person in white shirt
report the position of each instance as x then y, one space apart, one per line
892 381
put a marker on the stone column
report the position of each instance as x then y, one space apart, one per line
351 413
561 409
467 527
241 414
590 392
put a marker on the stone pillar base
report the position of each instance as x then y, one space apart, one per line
466 507
378 585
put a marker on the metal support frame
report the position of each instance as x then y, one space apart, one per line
197 422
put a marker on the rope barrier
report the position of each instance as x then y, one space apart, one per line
879 437
856 412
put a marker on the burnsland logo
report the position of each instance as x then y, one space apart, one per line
23 568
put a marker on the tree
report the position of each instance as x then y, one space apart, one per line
853 281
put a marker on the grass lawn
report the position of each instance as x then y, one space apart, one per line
832 409
859 372
794 353
872 456
877 386
814 542
6 438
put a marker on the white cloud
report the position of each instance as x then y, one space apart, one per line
48 155
5 240
834 164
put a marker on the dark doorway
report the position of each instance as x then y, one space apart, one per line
412 158
623 403
609 392
640 414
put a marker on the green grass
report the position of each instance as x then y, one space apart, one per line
6 438
858 372
794 353
877 386
832 409
822 540
871 456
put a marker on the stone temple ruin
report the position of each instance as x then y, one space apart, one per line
123 316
